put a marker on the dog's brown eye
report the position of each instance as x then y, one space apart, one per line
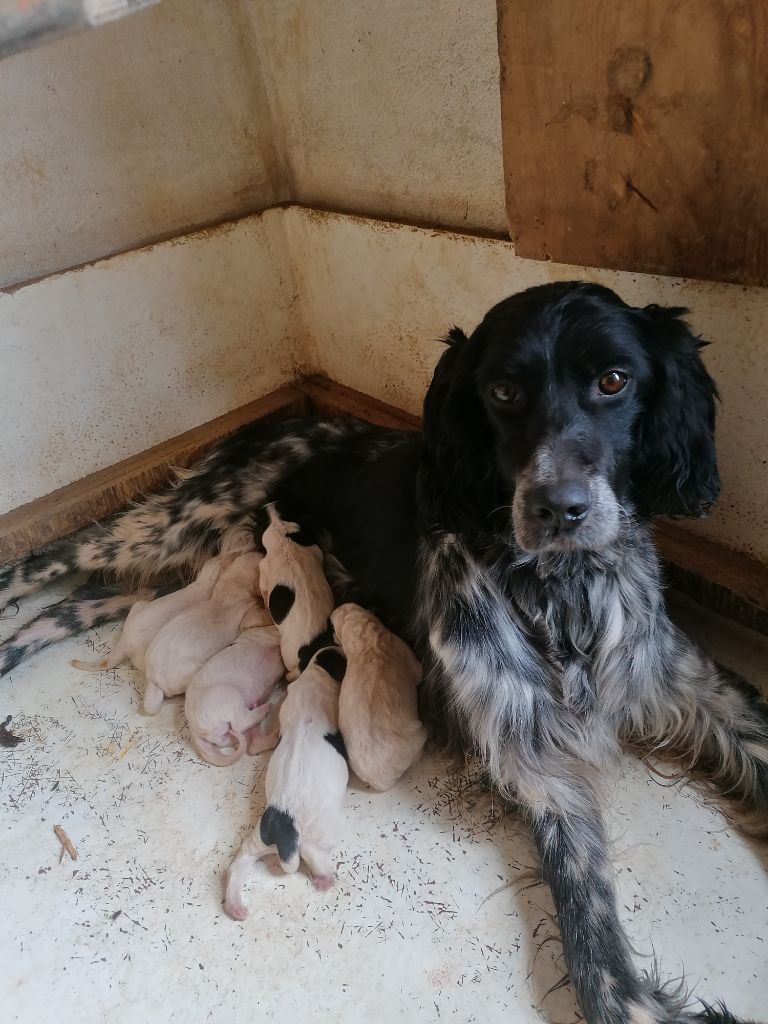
613 382
508 394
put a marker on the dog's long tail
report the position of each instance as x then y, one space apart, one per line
75 614
163 534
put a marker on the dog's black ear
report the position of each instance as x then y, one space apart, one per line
458 456
676 467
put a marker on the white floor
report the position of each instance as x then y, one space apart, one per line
434 916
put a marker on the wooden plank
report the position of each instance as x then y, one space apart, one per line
634 134
726 581
719 565
99 494
331 399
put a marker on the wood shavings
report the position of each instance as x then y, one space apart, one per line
66 843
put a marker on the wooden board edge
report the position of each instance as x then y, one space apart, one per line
329 398
718 578
98 495
717 565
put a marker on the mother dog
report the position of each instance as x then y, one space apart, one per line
509 543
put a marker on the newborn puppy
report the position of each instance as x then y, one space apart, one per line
147 618
306 780
378 714
296 592
185 643
227 698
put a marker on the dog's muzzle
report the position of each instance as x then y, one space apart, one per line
563 507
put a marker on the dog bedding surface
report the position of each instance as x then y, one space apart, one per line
435 914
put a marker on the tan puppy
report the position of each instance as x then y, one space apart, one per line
227 698
296 592
185 643
147 618
378 714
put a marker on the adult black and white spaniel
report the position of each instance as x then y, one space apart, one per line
509 544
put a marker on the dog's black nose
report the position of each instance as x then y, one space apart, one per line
563 505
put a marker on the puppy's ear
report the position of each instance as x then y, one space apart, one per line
676 467
458 455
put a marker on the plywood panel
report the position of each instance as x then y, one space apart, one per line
635 134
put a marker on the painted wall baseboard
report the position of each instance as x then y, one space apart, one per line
716 577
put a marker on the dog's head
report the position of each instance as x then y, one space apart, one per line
569 406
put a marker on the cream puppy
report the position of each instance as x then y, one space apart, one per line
147 618
306 781
185 643
296 592
378 714
228 697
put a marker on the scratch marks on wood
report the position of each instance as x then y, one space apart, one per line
634 190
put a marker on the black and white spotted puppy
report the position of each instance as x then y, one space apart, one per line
296 592
306 781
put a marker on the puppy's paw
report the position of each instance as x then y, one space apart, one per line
235 909
257 743
324 882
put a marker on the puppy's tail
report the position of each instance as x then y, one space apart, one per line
117 657
92 666
273 514
277 828
212 753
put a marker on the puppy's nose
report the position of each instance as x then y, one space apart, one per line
563 505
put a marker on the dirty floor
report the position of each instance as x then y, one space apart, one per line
435 915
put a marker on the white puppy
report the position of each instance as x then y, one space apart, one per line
185 643
228 697
147 618
296 592
306 781
378 714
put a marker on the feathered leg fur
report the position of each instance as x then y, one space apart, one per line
714 725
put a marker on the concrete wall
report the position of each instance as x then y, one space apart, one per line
138 130
389 108
104 362
195 111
